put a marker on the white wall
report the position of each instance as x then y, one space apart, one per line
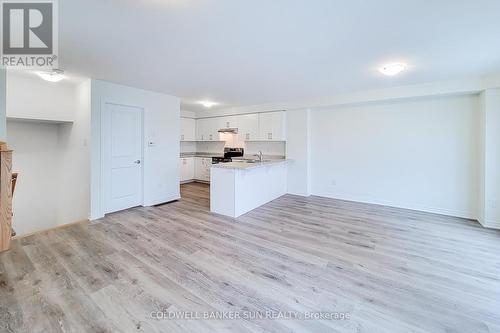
481 199
31 97
74 161
35 157
419 154
3 132
489 192
298 151
161 126
52 159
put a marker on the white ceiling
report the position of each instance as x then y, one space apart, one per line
246 52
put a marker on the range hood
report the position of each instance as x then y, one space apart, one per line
229 130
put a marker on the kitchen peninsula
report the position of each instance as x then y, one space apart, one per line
241 186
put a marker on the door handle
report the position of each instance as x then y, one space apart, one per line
137 162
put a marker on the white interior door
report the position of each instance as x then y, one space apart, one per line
122 156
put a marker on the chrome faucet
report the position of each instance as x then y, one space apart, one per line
259 155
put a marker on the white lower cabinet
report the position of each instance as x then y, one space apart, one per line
202 168
195 168
187 169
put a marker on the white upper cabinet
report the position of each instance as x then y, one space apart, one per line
248 127
188 129
229 122
267 126
207 129
213 127
272 126
201 133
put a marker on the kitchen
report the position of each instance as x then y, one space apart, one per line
232 145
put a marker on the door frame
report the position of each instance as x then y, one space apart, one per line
103 182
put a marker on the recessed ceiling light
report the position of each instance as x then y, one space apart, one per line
54 75
393 69
208 104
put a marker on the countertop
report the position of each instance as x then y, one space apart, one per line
241 165
264 157
207 155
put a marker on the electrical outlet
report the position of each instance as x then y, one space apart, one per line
334 183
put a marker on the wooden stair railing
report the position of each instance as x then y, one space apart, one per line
14 181
5 197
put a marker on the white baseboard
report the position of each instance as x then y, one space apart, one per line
60 226
95 217
490 224
300 194
405 205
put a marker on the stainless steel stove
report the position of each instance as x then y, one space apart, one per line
229 153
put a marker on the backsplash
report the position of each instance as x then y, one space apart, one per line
210 147
188 147
275 148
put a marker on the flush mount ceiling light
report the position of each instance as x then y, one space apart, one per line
208 104
393 69
54 75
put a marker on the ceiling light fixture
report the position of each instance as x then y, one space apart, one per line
393 69
54 75
208 104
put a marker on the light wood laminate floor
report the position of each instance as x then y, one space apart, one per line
390 270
